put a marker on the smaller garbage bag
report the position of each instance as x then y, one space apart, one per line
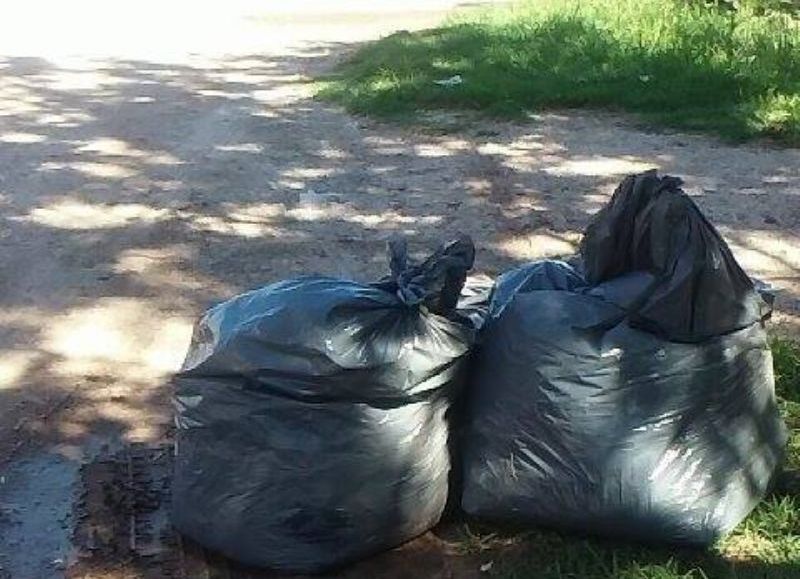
634 398
311 414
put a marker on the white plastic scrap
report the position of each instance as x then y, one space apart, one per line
450 82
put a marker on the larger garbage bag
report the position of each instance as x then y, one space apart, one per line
638 402
311 414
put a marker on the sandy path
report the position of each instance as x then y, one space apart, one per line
154 161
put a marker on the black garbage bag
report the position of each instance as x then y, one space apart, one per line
311 414
608 405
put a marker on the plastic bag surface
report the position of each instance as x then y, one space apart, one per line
311 414
638 402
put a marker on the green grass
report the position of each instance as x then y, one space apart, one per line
786 360
673 62
765 546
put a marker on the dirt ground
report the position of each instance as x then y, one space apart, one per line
154 160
